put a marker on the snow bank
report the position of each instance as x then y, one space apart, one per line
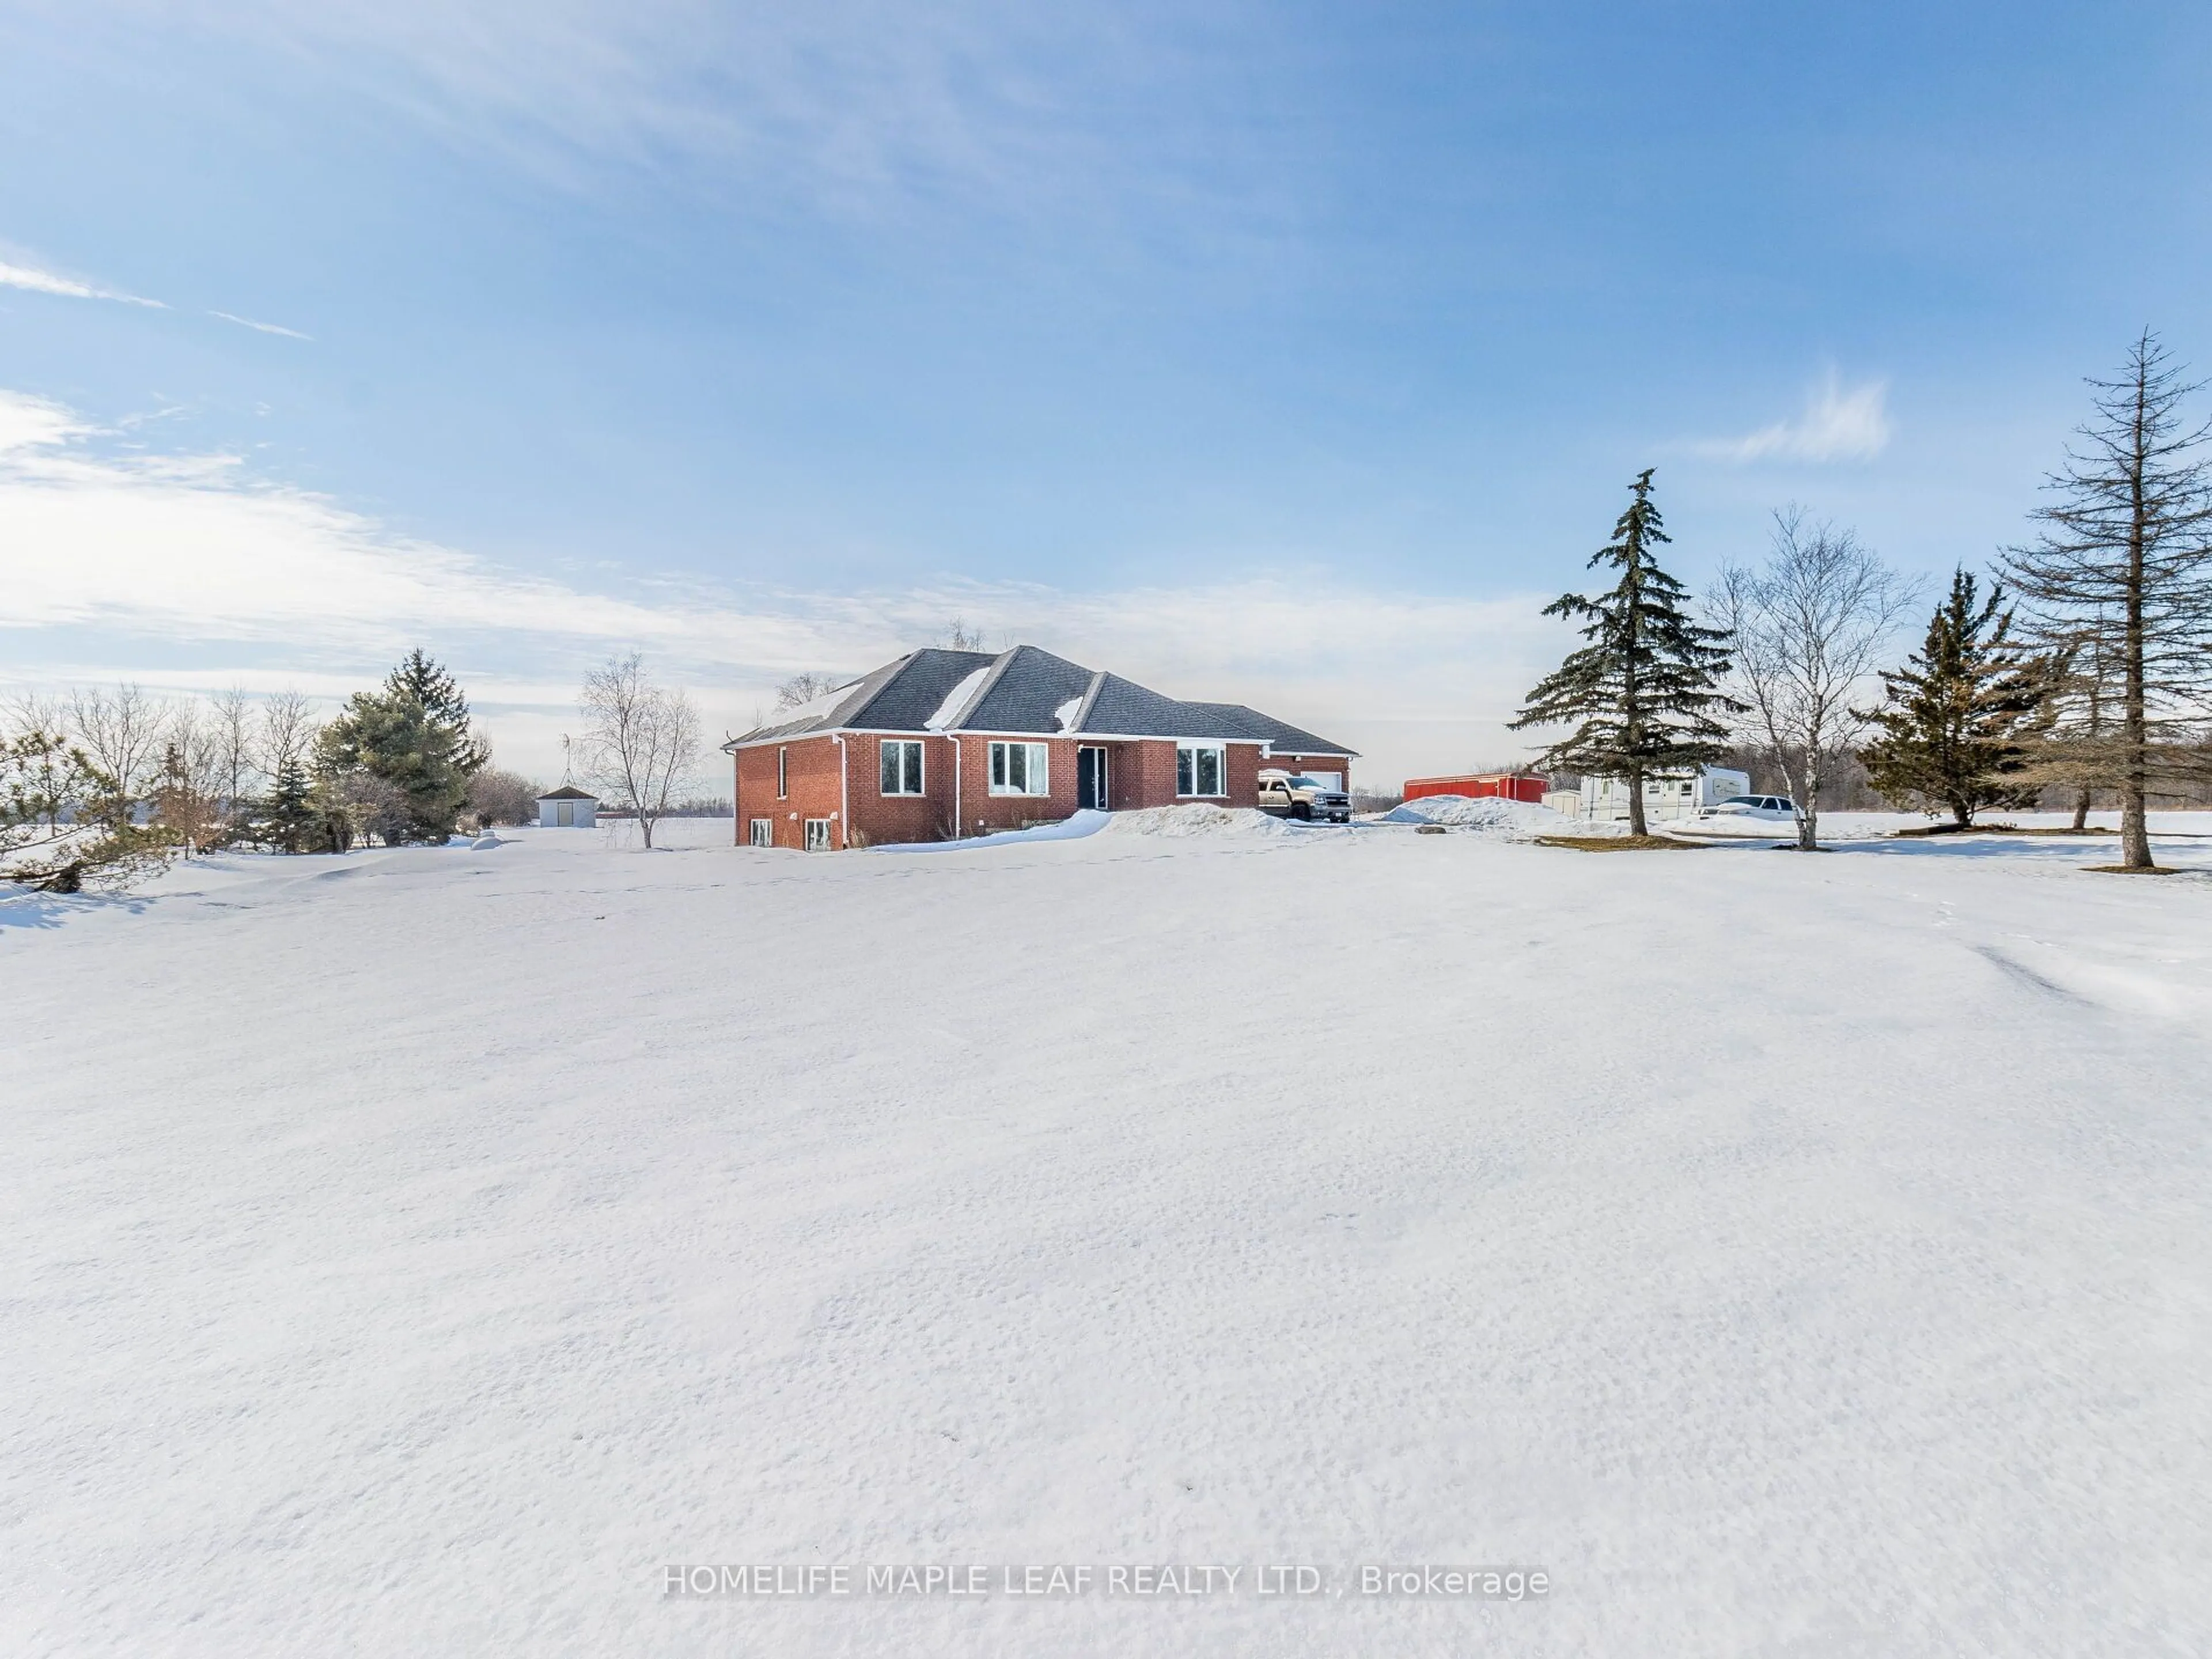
1507 820
1196 819
1789 1255
1085 822
1177 822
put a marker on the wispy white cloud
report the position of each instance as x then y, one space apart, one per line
265 328
860 109
46 282
32 280
1838 423
193 561
28 423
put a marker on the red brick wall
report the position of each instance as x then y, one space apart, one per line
1140 773
813 781
982 812
884 820
1145 775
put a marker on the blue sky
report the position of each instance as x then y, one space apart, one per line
1293 354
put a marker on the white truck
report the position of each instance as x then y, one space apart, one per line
1301 795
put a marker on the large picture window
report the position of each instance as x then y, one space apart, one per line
1018 768
1201 769
902 767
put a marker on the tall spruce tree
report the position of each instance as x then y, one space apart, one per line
1949 720
1642 695
288 818
420 678
2121 580
414 736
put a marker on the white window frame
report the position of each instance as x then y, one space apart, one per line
905 749
1036 768
818 838
783 775
1220 753
761 833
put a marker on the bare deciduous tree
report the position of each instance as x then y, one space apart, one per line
1809 627
354 804
498 796
123 736
28 712
188 791
287 733
641 740
805 687
231 718
2121 582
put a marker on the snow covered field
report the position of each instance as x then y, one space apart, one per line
418 1252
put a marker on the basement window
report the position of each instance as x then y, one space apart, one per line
900 767
762 832
817 834
1201 769
1019 769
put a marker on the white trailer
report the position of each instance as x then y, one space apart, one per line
1677 795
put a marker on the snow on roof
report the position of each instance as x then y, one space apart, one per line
815 707
955 700
1023 689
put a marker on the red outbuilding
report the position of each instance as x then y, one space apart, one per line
1477 786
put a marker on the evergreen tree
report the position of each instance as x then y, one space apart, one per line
1950 718
2121 580
289 819
420 678
413 737
44 776
1642 695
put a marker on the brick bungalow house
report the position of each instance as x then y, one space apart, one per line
942 744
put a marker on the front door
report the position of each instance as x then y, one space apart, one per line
1090 777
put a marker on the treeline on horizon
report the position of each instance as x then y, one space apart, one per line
104 783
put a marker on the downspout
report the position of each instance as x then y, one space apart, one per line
738 811
844 793
957 831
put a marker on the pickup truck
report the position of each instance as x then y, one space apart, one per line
1294 795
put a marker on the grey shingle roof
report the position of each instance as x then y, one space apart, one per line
1024 692
920 683
896 697
1281 734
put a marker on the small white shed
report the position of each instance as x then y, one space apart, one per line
566 808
